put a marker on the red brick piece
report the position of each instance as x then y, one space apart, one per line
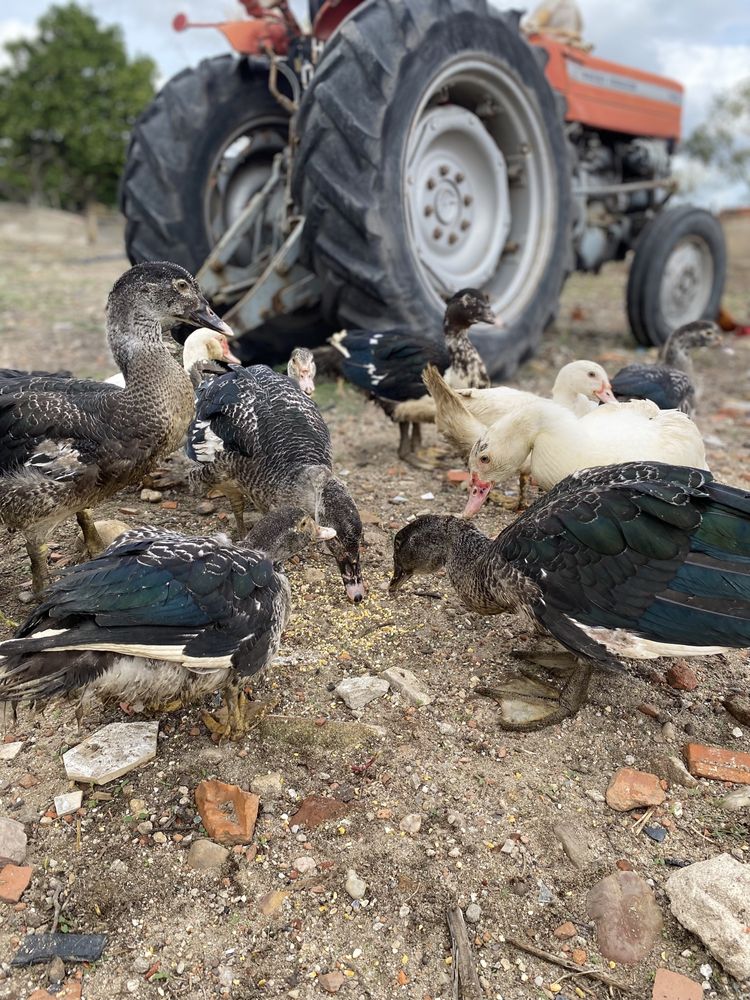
457 476
228 813
715 762
672 986
629 789
317 809
566 930
682 676
14 880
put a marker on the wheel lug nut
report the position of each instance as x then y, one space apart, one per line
468 200
430 183
444 171
437 232
459 177
428 210
465 224
452 238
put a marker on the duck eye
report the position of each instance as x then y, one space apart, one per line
592 374
484 459
181 285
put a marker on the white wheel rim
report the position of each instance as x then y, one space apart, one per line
687 282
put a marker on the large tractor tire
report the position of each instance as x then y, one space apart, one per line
677 274
197 155
431 158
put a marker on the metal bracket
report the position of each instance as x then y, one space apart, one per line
285 286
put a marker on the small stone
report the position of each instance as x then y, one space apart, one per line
565 931
403 911
668 731
271 902
682 676
739 707
14 881
627 917
473 913
28 780
9 751
706 971
145 828
317 809
411 823
26 597
68 802
56 970
398 499
737 800
305 865
12 842
595 795
204 855
268 786
356 692
579 956
354 885
111 752
331 982
138 806
228 813
655 832
141 965
574 842
151 496
710 898
629 789
646 708
206 507
737 733
407 684
715 762
672 768
159 837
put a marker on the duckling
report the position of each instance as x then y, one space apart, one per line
388 364
162 618
637 560
301 367
67 444
670 382
261 437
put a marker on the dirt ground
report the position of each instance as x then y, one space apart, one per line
475 787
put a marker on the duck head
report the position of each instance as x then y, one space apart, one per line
465 308
584 378
302 369
338 510
284 532
419 547
497 455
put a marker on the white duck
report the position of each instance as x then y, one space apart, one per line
200 346
559 443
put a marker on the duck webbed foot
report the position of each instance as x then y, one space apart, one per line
237 716
528 703
407 447
91 537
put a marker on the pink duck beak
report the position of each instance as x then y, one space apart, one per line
605 395
478 493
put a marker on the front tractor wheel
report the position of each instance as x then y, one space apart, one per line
197 155
432 158
677 274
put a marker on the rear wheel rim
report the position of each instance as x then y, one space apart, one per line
687 282
480 185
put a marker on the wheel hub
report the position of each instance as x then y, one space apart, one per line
457 185
687 282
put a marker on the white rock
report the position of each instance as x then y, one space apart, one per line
205 854
407 684
712 899
354 885
111 752
737 800
356 692
12 841
68 802
411 823
305 864
151 496
473 913
268 786
595 795
737 733
9 751
427 496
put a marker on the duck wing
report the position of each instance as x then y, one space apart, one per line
53 425
389 363
668 388
154 594
452 417
629 559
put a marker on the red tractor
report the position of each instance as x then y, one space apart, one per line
403 149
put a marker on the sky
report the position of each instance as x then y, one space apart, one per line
703 44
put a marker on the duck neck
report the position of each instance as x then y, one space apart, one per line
467 552
142 356
676 354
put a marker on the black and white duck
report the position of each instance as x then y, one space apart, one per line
67 444
388 364
257 431
670 382
638 560
162 618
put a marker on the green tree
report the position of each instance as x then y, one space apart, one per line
68 99
724 140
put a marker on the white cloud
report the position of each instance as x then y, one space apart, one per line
11 29
704 71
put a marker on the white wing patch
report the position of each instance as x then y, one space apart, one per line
210 446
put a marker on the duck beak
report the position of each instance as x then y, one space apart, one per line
230 358
203 315
324 534
478 493
306 383
398 580
488 316
604 393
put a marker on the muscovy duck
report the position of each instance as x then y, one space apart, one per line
257 430
637 560
301 367
162 618
67 444
670 382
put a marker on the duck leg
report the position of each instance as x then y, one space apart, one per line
236 500
239 714
527 704
91 537
36 546
524 480
408 441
